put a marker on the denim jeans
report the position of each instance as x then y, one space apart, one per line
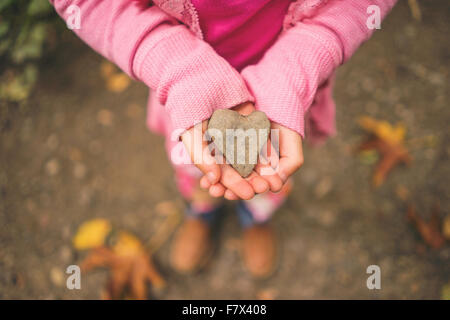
212 217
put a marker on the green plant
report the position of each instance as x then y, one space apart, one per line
24 29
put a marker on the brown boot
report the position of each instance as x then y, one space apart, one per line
191 247
259 250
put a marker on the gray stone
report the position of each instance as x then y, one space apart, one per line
223 128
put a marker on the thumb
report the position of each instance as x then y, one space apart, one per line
200 154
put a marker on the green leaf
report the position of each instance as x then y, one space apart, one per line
19 87
445 292
4 45
37 7
4 27
4 4
29 45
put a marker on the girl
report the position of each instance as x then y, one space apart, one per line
277 56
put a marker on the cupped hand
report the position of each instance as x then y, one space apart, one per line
221 179
270 174
290 152
277 165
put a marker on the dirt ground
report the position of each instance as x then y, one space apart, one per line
64 160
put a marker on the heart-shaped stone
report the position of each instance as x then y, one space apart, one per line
239 138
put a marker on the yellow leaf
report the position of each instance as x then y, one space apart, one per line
383 129
445 292
118 82
127 244
446 227
91 234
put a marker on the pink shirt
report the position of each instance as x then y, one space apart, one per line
238 29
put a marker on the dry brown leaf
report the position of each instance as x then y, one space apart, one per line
388 140
130 266
429 231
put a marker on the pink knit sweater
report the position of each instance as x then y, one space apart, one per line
191 79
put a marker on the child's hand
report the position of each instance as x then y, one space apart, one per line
222 180
289 160
291 152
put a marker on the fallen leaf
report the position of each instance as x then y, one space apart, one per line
388 140
445 292
91 234
130 268
429 231
446 227
369 157
123 254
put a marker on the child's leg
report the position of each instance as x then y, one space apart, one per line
261 208
259 244
199 203
192 245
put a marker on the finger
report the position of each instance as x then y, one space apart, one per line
217 190
231 179
259 184
291 153
204 183
230 195
200 154
288 166
268 160
273 179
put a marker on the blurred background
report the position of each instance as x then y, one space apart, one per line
74 147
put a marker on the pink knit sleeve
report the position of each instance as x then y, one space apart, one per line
285 81
190 78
